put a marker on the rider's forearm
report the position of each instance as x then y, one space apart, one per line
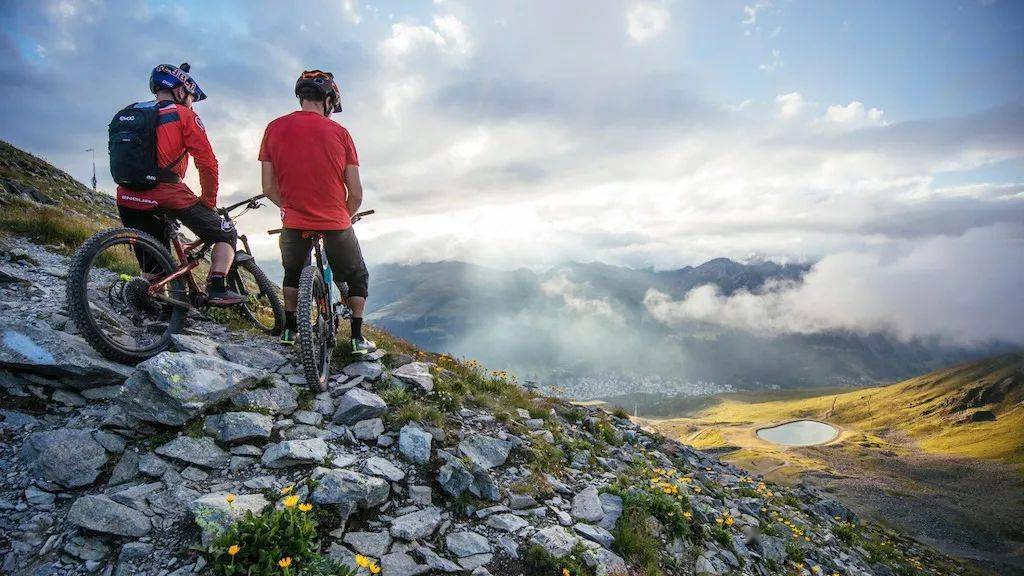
269 181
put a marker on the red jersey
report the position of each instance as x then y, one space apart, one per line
178 130
310 152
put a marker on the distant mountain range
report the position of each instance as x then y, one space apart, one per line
584 327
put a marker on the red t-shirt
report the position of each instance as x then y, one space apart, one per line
178 130
310 152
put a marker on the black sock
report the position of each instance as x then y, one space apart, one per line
357 328
289 321
217 282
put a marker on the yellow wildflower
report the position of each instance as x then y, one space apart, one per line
233 549
729 520
287 489
362 561
374 569
285 562
305 507
291 501
565 572
230 498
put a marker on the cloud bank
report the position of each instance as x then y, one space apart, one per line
964 289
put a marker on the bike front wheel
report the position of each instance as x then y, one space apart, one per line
262 304
315 328
111 300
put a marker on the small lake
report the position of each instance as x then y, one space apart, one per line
799 433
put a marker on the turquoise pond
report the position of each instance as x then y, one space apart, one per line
799 433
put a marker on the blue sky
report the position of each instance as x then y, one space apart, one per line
646 133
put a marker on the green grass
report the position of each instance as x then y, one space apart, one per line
543 564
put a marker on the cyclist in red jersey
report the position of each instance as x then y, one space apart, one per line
311 170
180 134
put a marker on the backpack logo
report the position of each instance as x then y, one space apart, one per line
126 118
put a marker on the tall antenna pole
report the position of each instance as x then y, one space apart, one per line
93 150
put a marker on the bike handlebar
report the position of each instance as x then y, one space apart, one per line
355 218
224 211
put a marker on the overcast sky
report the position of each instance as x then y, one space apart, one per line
530 133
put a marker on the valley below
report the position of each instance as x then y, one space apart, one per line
940 456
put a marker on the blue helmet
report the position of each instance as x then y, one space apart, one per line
167 77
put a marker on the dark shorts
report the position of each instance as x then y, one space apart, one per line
343 254
206 224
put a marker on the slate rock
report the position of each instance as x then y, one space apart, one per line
214 514
401 564
594 534
485 451
381 467
415 374
586 505
374 544
347 487
454 479
369 370
358 404
101 514
367 430
173 387
239 426
507 522
260 358
466 543
199 451
39 349
295 452
71 458
555 540
280 398
414 444
416 525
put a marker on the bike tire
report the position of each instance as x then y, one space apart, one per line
77 292
316 359
266 287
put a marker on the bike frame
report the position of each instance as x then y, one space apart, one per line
189 255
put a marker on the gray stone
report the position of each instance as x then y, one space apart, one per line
507 522
594 534
401 564
475 562
279 399
101 514
605 562
295 452
611 505
307 417
368 430
368 370
466 543
436 562
586 505
485 451
416 525
414 444
347 487
41 350
454 479
214 514
358 404
375 544
199 451
239 426
260 358
420 495
151 465
39 498
127 468
87 548
111 442
380 467
71 458
521 501
555 540
194 344
415 374
173 387
174 501
343 556
69 398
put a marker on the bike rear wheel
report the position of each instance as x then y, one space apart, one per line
315 328
262 304
109 299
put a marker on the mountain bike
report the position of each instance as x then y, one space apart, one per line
318 315
128 295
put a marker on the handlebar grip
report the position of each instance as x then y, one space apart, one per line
275 231
364 213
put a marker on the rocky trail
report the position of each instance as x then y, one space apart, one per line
422 463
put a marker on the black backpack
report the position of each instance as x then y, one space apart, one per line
132 146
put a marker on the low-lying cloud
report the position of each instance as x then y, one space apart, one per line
966 289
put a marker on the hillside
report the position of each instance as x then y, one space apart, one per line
940 455
213 458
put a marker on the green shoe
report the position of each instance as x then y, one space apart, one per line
361 347
287 338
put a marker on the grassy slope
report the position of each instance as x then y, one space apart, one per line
912 408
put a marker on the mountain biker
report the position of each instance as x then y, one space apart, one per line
311 171
180 134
